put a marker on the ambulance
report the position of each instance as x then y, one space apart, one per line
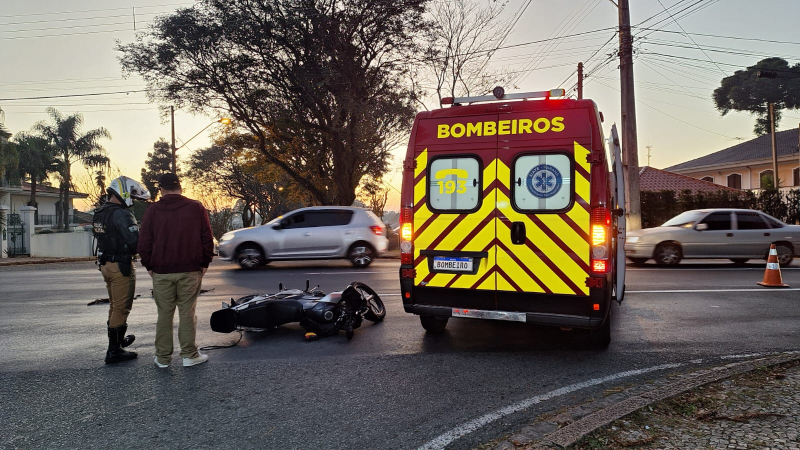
511 209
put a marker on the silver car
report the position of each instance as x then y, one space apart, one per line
735 234
309 233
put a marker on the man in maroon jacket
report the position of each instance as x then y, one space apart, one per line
176 246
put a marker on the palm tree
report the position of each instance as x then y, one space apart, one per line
36 159
72 146
8 154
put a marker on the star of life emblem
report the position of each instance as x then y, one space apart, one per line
544 181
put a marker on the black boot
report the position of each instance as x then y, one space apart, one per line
115 352
124 340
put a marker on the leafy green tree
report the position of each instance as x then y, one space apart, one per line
8 154
36 161
71 146
745 91
235 169
158 162
319 83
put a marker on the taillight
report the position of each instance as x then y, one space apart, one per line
601 222
377 230
406 236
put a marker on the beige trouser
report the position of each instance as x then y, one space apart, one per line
120 293
179 290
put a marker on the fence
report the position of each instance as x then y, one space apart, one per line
52 219
660 206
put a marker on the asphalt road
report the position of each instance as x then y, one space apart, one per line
392 386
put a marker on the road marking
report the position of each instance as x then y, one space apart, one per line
339 273
465 428
748 355
691 291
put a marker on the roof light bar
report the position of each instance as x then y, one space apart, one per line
517 96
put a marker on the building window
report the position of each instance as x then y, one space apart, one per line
710 179
796 176
765 180
735 181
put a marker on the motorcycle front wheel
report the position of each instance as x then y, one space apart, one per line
376 310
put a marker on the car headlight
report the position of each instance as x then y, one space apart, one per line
226 237
632 239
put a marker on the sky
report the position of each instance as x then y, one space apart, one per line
683 48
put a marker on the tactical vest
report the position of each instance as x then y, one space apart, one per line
109 240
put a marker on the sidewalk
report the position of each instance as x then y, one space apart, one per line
17 261
740 405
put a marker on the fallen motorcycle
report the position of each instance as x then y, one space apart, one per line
318 313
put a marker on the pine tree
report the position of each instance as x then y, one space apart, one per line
158 162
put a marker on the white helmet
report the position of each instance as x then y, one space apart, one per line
126 189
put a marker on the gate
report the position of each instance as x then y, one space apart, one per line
16 236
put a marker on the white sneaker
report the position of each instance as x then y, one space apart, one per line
160 366
201 358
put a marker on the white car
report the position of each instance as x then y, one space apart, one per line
320 232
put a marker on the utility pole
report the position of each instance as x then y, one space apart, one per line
630 149
580 80
774 145
174 160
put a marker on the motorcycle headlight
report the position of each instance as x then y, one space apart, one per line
632 239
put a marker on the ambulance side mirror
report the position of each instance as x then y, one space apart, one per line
701 227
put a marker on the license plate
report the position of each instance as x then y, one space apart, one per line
452 264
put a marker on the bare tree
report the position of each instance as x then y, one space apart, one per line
461 42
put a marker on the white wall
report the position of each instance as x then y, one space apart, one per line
78 242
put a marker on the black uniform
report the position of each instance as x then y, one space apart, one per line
117 235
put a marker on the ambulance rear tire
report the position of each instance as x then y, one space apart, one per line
668 254
433 324
600 338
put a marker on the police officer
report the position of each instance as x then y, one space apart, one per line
117 235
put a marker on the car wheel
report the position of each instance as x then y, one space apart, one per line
250 256
638 261
433 324
785 255
739 261
361 255
668 254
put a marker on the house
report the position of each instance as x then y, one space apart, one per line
746 165
652 179
25 230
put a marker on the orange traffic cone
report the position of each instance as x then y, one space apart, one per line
772 276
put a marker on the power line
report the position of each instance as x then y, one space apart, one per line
720 36
695 43
97 10
69 95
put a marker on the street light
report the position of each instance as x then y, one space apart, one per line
224 121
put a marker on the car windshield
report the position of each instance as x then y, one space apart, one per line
686 219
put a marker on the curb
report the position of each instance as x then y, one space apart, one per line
24 262
547 435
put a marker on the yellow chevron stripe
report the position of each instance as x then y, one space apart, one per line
553 252
517 273
422 163
581 153
533 262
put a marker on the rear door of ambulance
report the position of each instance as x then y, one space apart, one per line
454 211
543 217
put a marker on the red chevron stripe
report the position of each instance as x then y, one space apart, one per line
564 247
581 171
536 250
582 202
509 279
420 177
581 232
484 277
524 267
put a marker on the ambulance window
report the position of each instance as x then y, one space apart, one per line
454 184
542 182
